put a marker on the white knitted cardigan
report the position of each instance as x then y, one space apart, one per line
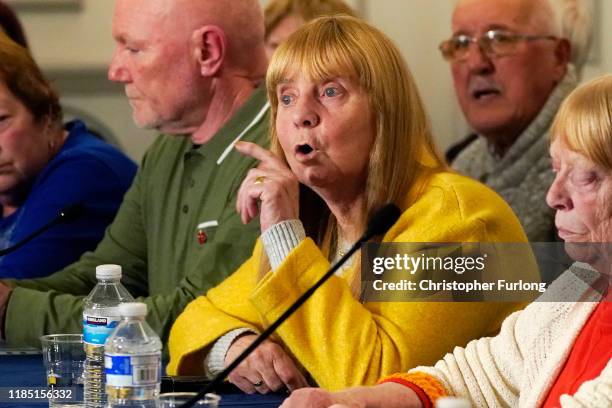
518 367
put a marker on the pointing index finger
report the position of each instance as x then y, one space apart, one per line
257 152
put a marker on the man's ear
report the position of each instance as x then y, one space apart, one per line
563 55
210 49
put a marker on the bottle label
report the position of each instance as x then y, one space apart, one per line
132 371
97 328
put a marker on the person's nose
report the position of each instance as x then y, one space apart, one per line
305 114
558 197
478 60
117 72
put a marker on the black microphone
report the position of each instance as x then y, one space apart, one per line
380 222
67 214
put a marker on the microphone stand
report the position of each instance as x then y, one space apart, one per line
388 211
66 214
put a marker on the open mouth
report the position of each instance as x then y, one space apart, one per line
482 88
304 149
483 93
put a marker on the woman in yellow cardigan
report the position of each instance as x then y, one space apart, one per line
557 352
349 133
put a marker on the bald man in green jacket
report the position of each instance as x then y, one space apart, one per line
191 69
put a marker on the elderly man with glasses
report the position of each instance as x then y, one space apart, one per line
513 62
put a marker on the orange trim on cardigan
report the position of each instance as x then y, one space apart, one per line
428 384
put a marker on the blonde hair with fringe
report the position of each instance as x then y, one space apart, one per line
584 121
403 149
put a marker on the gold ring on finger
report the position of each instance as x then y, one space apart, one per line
259 180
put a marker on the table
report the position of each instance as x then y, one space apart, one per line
28 371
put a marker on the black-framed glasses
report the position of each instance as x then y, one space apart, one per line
494 43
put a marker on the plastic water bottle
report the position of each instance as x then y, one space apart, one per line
132 360
100 317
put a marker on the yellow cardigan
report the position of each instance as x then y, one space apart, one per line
338 340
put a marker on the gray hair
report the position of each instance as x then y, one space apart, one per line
573 20
569 19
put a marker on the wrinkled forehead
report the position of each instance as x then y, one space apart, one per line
480 15
557 147
562 152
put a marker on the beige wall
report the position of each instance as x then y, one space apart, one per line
406 22
74 47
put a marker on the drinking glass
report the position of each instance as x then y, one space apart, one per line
64 358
